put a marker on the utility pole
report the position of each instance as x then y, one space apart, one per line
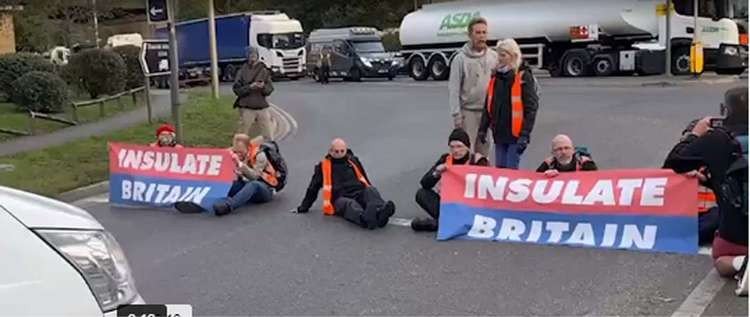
214 57
668 40
174 84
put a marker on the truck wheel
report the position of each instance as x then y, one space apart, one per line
681 60
576 64
438 68
603 66
230 71
417 69
355 75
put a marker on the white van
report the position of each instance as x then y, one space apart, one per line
57 260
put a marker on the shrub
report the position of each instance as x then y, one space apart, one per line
15 65
97 71
40 92
131 56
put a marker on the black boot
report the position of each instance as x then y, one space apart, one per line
188 207
424 224
385 213
222 208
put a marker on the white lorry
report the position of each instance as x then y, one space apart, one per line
581 37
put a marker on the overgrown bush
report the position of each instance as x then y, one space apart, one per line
41 92
97 71
131 56
15 65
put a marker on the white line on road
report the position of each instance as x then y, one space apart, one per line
402 222
701 296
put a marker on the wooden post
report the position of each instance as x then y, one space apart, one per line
31 123
147 97
135 99
75 112
120 104
101 109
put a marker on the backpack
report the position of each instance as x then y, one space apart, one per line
271 149
733 189
583 151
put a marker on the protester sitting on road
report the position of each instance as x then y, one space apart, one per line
252 85
565 158
347 191
718 148
510 107
255 180
165 137
427 196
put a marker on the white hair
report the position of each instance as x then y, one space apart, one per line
511 47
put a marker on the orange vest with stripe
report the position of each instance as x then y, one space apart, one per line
706 199
516 101
325 167
269 173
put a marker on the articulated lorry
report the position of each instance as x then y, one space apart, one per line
582 37
280 42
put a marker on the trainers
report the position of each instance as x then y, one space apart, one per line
222 208
188 207
385 213
370 218
424 224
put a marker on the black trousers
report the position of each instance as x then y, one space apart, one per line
361 209
429 200
324 73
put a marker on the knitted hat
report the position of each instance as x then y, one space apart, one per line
165 128
460 135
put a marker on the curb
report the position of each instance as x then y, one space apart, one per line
282 118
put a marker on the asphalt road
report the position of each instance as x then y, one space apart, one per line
265 260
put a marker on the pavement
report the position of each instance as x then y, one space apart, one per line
264 260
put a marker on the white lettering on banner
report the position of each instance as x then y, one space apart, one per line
166 194
582 233
193 164
605 192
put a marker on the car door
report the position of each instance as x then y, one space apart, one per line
341 59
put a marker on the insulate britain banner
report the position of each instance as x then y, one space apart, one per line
158 177
639 209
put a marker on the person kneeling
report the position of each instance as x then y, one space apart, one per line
565 158
427 197
347 191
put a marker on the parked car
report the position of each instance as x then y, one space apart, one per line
57 260
357 52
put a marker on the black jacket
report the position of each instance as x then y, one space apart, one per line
588 165
345 182
429 180
715 150
252 98
500 119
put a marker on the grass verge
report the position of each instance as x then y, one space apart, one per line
54 170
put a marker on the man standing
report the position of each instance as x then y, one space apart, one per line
252 86
347 191
471 70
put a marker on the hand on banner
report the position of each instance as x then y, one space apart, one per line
551 173
702 127
696 174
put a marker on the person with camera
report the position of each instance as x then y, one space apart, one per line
716 144
252 85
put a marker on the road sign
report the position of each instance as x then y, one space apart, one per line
155 58
157 11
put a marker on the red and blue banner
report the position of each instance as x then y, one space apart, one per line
638 209
160 176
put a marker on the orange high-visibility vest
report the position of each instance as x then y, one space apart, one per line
449 160
516 101
325 166
706 199
580 160
269 173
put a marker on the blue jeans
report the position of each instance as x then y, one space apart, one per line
506 155
243 193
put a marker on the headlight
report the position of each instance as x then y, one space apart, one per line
101 262
278 54
365 61
731 50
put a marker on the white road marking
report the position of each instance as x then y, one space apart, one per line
701 296
402 222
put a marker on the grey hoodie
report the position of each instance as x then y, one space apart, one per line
469 77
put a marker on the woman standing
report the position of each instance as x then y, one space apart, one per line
510 106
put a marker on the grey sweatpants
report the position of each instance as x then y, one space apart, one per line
255 122
472 119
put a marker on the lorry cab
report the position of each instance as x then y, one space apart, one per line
280 42
356 52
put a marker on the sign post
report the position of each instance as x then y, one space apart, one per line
154 62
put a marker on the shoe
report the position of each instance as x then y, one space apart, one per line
424 224
222 208
385 213
370 219
188 207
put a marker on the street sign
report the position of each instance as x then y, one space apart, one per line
155 58
157 11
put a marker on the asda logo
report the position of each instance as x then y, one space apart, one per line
457 20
